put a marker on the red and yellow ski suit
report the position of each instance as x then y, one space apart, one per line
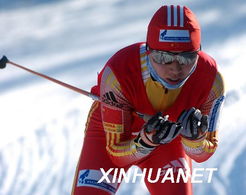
125 86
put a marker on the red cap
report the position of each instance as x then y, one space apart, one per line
174 28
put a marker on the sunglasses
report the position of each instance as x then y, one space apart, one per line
165 57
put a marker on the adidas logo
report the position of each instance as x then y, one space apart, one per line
109 98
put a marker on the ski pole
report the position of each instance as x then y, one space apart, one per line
4 61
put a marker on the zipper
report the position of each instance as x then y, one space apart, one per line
166 90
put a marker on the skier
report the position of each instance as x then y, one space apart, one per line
179 90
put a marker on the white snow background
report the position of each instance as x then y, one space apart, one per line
42 124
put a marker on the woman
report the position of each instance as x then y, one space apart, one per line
179 92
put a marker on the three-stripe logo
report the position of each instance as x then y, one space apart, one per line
175 23
175 16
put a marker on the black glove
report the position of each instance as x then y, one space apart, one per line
158 130
195 125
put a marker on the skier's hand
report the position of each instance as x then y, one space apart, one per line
158 130
195 125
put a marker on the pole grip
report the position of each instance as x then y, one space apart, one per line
4 60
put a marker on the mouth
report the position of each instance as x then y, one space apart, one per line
173 81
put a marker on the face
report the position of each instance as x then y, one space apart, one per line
171 72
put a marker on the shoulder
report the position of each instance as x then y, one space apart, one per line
206 67
126 62
206 58
219 84
207 64
126 53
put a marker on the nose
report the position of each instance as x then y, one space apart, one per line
176 68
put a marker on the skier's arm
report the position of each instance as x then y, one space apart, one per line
117 120
202 149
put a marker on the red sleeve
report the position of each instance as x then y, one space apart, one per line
117 121
203 149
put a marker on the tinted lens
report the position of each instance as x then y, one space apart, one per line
162 58
185 58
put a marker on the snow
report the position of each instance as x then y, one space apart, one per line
42 124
